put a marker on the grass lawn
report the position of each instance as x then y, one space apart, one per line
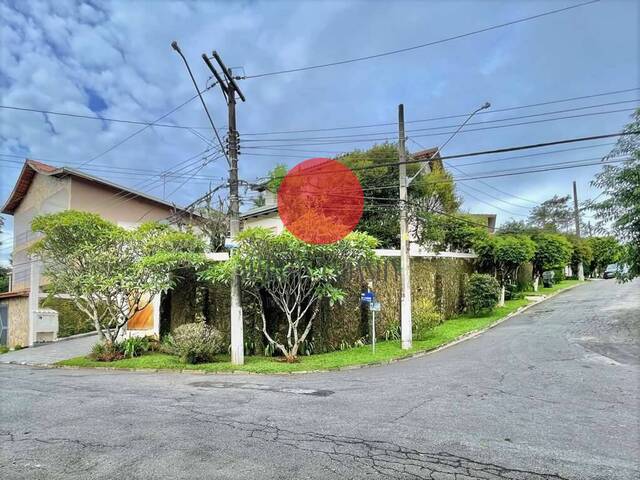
385 350
554 288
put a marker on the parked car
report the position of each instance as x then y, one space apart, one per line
613 269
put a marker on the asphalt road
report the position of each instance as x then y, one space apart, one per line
549 394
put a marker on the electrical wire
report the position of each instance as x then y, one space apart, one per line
446 117
460 125
423 45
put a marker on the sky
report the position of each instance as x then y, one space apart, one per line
114 60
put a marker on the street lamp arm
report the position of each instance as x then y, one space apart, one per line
483 107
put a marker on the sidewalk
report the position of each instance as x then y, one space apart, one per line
49 353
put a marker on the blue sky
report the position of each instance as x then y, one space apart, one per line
114 59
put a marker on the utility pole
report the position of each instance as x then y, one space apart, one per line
405 265
576 216
230 89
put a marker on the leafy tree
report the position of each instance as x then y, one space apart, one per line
554 214
621 185
504 254
111 273
515 227
295 275
552 251
582 252
457 232
428 192
604 251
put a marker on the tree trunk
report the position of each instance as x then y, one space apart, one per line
502 295
536 280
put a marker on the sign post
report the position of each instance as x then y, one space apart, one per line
374 307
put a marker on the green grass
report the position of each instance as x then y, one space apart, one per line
3 349
385 350
554 288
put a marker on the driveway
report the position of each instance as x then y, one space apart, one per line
549 394
49 353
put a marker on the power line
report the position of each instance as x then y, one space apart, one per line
446 117
498 120
423 45
486 152
387 139
94 117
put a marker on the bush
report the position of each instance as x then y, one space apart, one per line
197 342
559 275
134 346
482 294
106 352
424 317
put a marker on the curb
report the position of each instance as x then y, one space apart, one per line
422 353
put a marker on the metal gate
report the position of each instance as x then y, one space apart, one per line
4 324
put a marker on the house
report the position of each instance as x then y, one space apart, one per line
42 189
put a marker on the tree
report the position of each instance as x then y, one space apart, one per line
110 273
554 214
457 232
427 192
504 254
515 227
581 253
621 207
276 176
604 251
552 251
295 275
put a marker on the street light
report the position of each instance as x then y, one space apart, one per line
482 107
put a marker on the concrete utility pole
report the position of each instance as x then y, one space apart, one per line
230 89
576 215
405 264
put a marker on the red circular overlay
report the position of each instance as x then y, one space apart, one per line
320 201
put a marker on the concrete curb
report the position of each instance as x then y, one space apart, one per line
423 353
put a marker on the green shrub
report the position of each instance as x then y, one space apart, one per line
106 352
424 317
559 275
513 292
197 342
482 294
134 346
18 347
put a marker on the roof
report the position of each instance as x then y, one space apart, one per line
259 211
17 293
32 167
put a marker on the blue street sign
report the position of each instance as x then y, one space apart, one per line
367 297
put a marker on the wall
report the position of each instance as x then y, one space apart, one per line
121 209
18 313
271 221
436 282
46 195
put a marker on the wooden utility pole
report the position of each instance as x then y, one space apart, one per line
576 216
230 89
405 265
